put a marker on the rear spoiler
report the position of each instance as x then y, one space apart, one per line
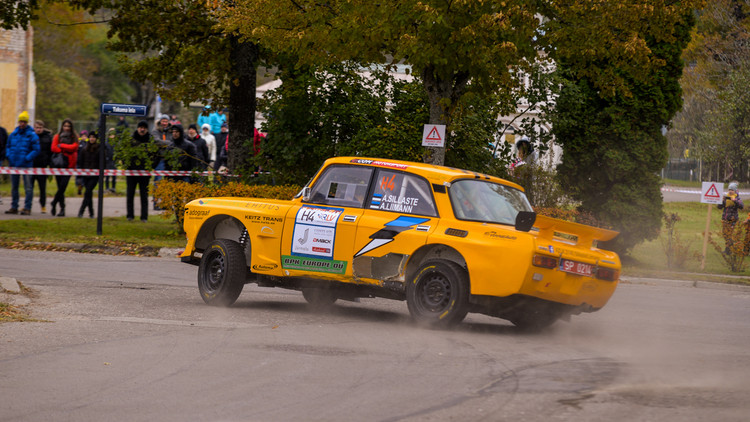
548 226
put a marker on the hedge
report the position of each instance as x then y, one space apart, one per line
172 196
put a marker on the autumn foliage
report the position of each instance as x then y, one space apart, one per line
172 196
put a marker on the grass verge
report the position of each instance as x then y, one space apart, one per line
649 258
120 237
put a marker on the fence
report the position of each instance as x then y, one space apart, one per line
681 169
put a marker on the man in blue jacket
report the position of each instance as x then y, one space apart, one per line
21 148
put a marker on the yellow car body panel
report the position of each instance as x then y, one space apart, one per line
372 232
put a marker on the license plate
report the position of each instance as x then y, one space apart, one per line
574 267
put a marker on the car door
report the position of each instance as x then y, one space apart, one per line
399 215
319 233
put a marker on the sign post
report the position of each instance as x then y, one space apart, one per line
109 109
711 193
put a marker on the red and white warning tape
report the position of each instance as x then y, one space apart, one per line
95 172
680 190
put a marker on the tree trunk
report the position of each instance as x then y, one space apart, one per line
244 58
443 95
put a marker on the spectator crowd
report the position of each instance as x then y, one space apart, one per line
202 147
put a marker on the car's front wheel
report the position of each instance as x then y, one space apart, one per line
438 295
222 272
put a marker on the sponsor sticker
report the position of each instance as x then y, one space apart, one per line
495 235
263 219
262 206
264 267
380 163
314 232
313 264
197 214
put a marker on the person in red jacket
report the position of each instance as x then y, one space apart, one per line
66 142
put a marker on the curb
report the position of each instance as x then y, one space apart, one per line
685 283
8 284
98 248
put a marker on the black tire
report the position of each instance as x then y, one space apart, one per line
438 296
222 272
319 299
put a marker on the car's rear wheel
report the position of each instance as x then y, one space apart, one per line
222 272
438 295
319 299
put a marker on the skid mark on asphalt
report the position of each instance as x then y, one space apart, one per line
181 323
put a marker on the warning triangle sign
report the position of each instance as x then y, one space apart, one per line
712 192
434 135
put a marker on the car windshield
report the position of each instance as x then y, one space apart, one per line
489 202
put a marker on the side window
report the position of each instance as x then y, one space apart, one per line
344 186
403 193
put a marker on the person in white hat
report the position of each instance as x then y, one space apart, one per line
210 143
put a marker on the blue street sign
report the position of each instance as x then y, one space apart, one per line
124 109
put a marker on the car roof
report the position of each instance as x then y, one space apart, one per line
435 174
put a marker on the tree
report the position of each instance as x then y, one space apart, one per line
316 114
64 37
454 47
712 125
60 37
622 63
17 13
346 110
177 47
62 94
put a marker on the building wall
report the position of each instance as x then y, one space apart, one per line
17 89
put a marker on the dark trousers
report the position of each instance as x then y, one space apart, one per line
140 182
28 187
109 182
89 183
62 184
42 180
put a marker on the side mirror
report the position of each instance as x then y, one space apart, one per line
525 220
306 193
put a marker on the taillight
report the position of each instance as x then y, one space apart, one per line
544 261
608 274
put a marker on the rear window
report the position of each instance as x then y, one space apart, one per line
402 193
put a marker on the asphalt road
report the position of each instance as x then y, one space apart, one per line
129 339
677 194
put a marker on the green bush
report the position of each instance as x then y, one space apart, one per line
172 196
573 215
735 247
676 248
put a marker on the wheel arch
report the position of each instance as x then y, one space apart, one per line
434 251
222 226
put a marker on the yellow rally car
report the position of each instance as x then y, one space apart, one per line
447 241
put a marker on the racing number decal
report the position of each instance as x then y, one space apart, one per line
387 183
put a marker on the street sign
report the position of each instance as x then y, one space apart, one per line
711 192
433 136
124 109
